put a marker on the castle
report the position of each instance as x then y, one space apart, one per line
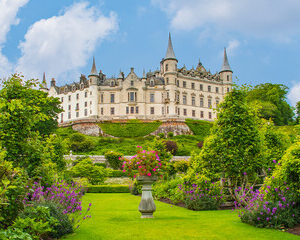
170 93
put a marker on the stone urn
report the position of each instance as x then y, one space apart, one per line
147 206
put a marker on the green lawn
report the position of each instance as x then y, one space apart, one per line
115 216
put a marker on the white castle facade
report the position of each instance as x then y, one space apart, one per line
170 93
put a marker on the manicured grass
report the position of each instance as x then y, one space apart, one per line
116 216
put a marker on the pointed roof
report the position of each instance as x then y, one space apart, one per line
94 70
44 82
170 52
120 74
225 66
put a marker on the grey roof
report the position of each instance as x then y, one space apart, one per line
94 70
44 83
225 66
170 52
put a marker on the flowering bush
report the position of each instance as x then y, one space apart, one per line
144 163
201 193
67 197
279 212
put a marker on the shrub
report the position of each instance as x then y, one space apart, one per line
100 164
171 147
199 127
135 188
181 166
170 134
108 189
113 158
115 173
200 144
161 135
86 169
80 143
14 234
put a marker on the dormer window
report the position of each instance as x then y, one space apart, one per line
74 88
151 83
66 89
112 83
131 83
81 86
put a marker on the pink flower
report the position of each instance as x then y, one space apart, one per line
159 164
134 176
124 170
149 174
140 166
154 169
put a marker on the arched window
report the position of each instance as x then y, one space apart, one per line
167 67
112 83
151 83
227 77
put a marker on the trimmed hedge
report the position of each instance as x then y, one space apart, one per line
129 129
108 189
199 127
115 173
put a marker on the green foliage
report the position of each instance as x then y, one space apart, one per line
135 188
171 147
24 111
14 234
170 134
80 143
233 150
108 189
86 169
161 135
271 102
181 166
100 164
199 127
298 112
131 128
115 173
113 158
168 190
36 221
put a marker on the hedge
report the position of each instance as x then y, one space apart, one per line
129 129
115 173
108 189
199 127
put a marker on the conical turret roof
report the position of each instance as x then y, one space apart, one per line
170 52
225 66
94 70
44 82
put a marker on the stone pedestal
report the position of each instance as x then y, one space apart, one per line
147 206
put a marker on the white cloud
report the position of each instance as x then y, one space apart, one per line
260 18
60 45
294 94
232 47
8 17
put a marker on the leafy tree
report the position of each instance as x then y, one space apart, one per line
298 112
271 99
233 150
25 113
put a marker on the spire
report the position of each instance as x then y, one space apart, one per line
44 82
225 66
144 74
120 75
170 52
94 70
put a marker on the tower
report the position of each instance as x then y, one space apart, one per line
226 72
93 96
44 86
169 63
93 77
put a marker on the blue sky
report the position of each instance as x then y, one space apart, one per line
61 37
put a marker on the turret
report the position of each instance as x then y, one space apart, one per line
93 75
226 72
53 83
169 63
44 87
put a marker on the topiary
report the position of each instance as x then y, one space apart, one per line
171 147
170 134
161 135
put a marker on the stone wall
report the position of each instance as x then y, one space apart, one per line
178 128
91 129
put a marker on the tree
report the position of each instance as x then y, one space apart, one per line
271 99
26 115
298 112
233 150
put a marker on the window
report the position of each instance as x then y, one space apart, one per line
152 97
193 85
77 96
184 112
184 99
202 114
168 95
81 86
77 106
193 101
217 102
62 117
131 83
112 98
201 102
177 83
167 109
102 98
85 104
127 110
112 83
209 88
178 111
77 114
184 84
74 88
85 94
62 99
112 111
91 93
162 110
66 89
151 83
228 90
167 80
152 110
69 98
85 112
228 78
69 107
193 113
217 90
91 103
209 103
136 109
209 115
131 96
201 87
69 115
132 110
167 67
101 111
